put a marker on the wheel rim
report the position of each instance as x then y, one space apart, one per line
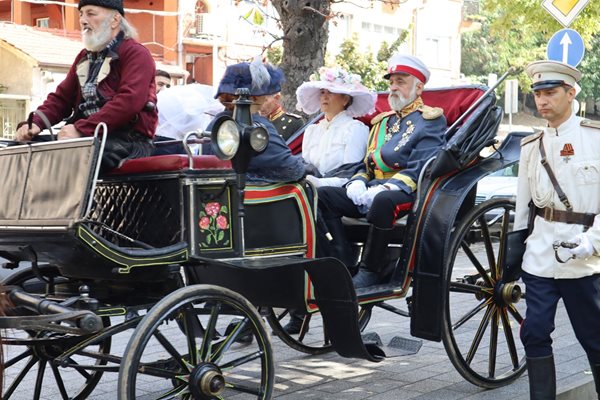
483 314
312 338
185 363
33 353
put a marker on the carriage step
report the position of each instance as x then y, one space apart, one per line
397 346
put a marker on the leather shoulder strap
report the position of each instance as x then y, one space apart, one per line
561 194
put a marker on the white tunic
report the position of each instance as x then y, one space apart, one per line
578 173
331 144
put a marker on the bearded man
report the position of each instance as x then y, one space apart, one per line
400 142
111 81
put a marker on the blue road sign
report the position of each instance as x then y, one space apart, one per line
566 46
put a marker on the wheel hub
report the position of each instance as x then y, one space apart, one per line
508 293
206 381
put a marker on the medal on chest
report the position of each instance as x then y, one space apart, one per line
566 152
391 131
405 136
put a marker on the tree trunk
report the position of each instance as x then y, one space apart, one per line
305 33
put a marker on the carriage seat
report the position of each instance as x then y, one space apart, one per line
169 163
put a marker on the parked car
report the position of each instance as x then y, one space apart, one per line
500 184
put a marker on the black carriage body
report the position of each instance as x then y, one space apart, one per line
151 214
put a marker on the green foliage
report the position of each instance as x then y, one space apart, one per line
370 69
487 51
515 33
3 88
275 54
590 83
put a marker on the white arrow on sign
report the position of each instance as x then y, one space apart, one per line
565 42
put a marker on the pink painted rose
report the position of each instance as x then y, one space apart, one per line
212 209
222 222
204 223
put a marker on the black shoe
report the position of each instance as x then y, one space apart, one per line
366 278
245 337
294 326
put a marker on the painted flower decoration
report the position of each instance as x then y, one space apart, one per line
336 75
212 209
214 225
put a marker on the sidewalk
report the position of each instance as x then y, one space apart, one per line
426 375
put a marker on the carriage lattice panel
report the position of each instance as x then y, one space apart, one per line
148 211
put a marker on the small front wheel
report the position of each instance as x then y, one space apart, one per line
183 349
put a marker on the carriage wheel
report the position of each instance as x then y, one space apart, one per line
312 338
167 361
483 316
33 353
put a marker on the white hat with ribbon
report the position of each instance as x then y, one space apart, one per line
335 80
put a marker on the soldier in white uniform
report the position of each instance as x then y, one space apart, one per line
572 150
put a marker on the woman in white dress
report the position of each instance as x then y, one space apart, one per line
335 146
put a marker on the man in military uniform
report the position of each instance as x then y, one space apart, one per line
285 123
400 142
560 172
276 163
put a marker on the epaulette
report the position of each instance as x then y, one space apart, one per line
293 115
431 112
531 138
376 119
588 123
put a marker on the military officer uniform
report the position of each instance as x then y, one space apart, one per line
286 123
572 151
398 147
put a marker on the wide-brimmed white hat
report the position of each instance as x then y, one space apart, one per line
335 80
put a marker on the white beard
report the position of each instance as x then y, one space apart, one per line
96 41
397 102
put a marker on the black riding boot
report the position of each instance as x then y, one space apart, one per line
596 373
374 263
542 378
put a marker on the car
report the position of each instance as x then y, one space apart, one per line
499 184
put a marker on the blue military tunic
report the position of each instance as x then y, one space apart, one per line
399 145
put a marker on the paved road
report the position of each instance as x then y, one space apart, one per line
426 375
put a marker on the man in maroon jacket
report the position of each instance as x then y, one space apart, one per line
111 81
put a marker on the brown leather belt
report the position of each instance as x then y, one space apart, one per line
567 217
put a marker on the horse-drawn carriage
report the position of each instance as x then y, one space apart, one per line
179 251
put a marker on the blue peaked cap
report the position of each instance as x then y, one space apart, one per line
239 76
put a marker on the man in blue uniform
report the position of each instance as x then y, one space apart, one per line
276 163
400 142
558 171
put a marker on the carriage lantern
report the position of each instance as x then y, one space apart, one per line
239 138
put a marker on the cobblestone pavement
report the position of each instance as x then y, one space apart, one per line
429 374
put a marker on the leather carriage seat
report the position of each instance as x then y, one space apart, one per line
453 100
169 163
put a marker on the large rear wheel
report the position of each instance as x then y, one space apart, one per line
183 349
483 314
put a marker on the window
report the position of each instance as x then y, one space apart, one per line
390 30
42 22
377 28
366 26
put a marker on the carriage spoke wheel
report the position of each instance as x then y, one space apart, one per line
167 357
312 338
483 315
33 353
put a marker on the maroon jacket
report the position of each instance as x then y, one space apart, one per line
127 87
